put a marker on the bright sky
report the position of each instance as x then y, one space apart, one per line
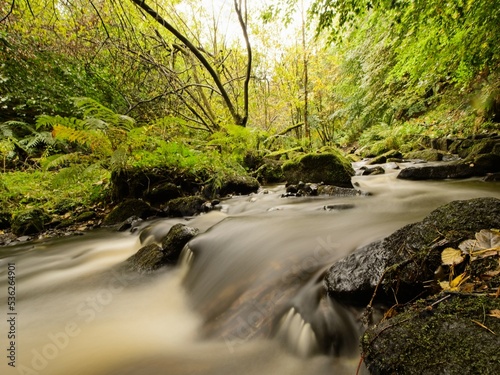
223 12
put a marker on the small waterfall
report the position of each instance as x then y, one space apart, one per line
297 334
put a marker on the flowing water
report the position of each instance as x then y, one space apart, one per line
247 298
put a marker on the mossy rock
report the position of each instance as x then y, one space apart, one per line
384 158
128 208
330 168
185 206
443 338
401 264
427 155
162 193
30 221
153 256
238 185
270 172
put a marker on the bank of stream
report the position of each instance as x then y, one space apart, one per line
247 298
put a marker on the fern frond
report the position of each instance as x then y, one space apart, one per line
59 160
38 139
49 122
95 140
94 110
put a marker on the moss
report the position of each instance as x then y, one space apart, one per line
331 168
30 221
437 339
427 154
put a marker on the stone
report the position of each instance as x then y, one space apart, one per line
373 171
30 221
330 168
185 206
433 337
438 172
389 155
128 208
404 261
152 257
162 193
270 172
427 155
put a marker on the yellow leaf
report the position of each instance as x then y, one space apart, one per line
495 313
458 280
451 257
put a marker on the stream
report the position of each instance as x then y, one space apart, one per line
247 297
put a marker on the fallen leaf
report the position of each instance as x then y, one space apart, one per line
488 239
457 281
468 246
495 313
451 257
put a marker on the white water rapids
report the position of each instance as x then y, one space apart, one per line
249 302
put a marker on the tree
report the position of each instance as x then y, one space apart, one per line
241 12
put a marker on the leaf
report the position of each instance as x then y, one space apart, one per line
457 281
488 239
451 257
495 313
468 246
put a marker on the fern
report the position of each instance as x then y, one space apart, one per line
93 110
59 160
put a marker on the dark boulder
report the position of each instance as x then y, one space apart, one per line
427 155
30 221
128 208
454 336
162 193
404 261
385 157
330 168
173 243
231 185
438 172
186 206
270 172
372 171
153 256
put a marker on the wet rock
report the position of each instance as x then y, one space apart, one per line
186 206
153 256
130 223
490 177
435 337
337 191
392 155
438 172
163 193
338 207
30 221
174 241
330 168
404 261
128 208
427 155
232 185
372 171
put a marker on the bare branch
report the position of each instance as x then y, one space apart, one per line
10 11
